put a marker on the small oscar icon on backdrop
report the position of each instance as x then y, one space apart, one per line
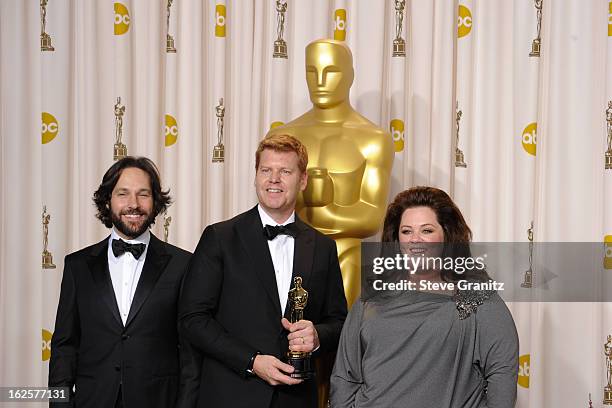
119 150
608 154
537 42
45 39
608 388
167 221
299 360
219 149
280 46
528 278
169 39
459 156
47 258
399 44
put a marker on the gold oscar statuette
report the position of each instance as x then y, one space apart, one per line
608 154
167 221
169 39
528 277
47 258
537 42
459 156
399 44
299 360
280 46
45 39
349 160
608 388
219 149
119 149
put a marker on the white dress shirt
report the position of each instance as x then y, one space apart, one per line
281 250
125 271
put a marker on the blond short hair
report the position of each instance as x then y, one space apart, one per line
283 143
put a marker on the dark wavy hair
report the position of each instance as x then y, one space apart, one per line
457 234
102 196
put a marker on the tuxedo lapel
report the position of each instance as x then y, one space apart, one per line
155 263
98 266
250 231
303 254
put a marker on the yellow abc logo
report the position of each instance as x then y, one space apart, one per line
464 21
171 130
50 127
46 344
523 374
397 133
276 124
610 19
528 138
340 24
122 19
608 252
220 20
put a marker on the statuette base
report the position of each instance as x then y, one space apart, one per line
47 260
535 48
170 44
218 153
459 159
399 47
280 49
119 151
45 42
527 279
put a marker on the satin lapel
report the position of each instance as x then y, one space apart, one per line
303 254
98 266
154 265
250 231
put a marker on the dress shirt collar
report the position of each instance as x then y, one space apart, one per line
267 220
144 238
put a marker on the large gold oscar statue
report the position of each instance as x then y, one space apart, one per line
349 160
349 166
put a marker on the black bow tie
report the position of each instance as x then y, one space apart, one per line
120 247
271 231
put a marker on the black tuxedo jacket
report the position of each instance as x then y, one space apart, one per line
230 309
93 350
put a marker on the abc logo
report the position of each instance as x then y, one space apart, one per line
528 138
608 252
276 124
46 345
220 20
464 21
523 374
122 19
397 133
171 130
50 127
610 19
340 24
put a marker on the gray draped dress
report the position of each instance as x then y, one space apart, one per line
417 349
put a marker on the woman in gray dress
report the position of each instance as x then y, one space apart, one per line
420 348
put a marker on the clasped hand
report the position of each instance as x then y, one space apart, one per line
302 337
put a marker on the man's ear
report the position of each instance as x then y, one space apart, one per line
303 181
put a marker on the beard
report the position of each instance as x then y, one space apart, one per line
132 230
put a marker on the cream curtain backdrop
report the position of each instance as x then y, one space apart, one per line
471 54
